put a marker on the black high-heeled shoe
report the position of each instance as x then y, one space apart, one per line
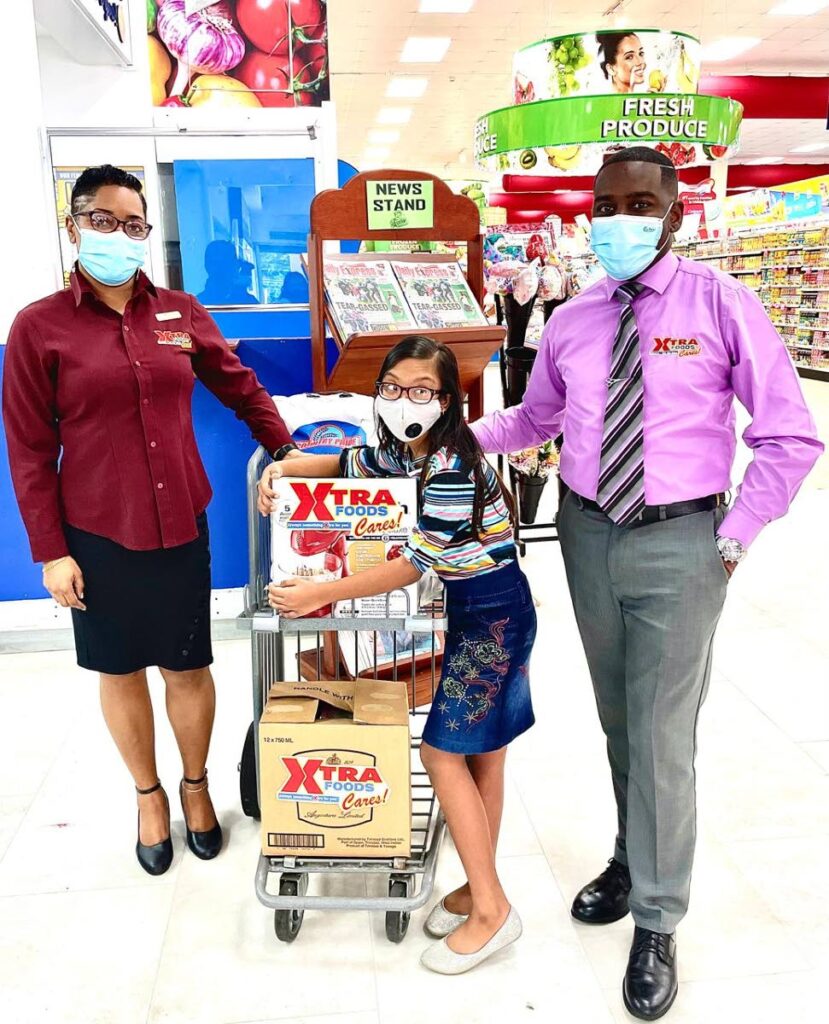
205 845
155 859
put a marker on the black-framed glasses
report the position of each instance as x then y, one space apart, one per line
108 222
419 395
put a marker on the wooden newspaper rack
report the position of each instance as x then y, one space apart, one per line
342 214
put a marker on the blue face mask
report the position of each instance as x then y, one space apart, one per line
625 245
111 258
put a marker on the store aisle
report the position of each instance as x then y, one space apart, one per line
87 937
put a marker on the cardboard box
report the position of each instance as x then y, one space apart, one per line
324 529
334 762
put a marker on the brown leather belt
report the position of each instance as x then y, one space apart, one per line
658 513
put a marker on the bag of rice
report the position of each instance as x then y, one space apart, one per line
326 424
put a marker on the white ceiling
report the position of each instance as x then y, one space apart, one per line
367 36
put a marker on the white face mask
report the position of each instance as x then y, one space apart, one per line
407 420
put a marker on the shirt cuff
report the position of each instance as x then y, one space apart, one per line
740 524
417 559
48 546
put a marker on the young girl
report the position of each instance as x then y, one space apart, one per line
464 533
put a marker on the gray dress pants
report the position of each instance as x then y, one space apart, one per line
647 600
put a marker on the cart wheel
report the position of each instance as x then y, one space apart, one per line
286 923
397 921
248 790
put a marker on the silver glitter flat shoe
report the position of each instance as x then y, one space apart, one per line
442 922
442 960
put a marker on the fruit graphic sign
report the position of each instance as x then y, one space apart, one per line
573 135
581 97
238 53
593 64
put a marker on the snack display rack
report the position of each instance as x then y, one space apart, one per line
341 214
788 267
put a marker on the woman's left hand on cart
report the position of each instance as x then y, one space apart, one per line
294 598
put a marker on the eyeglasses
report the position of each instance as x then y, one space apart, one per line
108 222
419 395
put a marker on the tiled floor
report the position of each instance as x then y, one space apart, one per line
87 938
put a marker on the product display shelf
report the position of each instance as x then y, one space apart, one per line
341 214
788 266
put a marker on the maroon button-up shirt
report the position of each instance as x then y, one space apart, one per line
98 417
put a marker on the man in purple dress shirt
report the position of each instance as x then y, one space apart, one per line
639 372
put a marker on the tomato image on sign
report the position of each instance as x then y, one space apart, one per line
245 53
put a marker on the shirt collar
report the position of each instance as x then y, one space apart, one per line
79 286
657 277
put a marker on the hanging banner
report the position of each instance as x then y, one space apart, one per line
595 63
238 53
573 135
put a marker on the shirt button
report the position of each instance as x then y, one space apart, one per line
161 487
137 362
126 328
153 444
145 401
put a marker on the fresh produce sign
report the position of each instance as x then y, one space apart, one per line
574 134
628 61
238 53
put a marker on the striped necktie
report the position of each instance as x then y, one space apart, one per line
621 493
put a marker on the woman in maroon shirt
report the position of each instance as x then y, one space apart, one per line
97 405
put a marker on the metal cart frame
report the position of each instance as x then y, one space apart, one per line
270 635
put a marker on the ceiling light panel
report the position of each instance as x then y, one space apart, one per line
425 49
728 48
446 6
798 8
383 136
394 115
406 87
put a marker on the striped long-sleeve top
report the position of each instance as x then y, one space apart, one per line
443 538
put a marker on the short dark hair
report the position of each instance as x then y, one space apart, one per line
644 155
93 178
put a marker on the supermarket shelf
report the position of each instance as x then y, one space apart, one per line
803 327
812 372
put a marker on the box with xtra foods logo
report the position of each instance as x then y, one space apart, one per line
334 770
323 529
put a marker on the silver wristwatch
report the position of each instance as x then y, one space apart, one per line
731 550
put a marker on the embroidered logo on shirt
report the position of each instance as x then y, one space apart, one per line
181 339
677 347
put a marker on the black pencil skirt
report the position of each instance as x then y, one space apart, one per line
143 607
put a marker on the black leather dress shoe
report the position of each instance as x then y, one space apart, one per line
155 859
651 985
205 845
605 899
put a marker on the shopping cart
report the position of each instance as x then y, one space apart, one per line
308 648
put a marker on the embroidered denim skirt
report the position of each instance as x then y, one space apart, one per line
483 700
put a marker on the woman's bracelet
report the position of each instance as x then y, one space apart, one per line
50 565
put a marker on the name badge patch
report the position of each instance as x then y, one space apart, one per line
676 347
173 314
181 339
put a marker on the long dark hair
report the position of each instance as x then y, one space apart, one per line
451 431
